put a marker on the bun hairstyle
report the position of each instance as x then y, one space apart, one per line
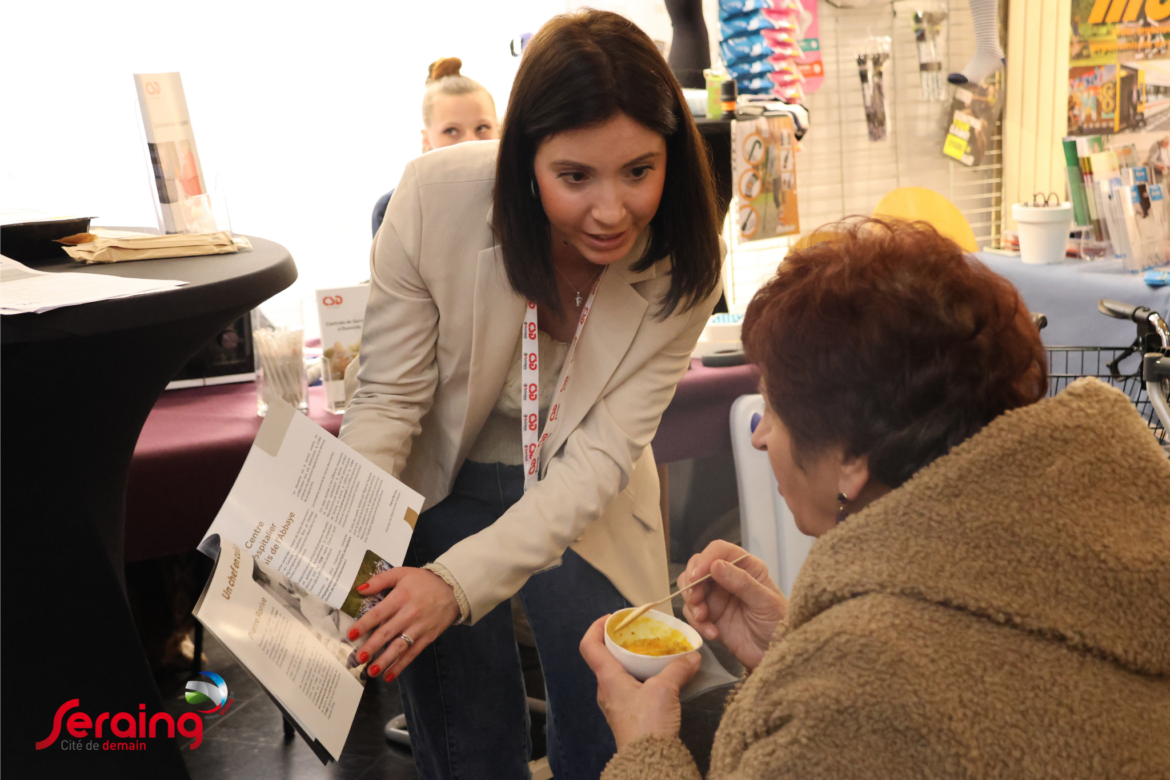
444 78
442 68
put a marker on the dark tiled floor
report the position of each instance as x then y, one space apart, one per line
248 743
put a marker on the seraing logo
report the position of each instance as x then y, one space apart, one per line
122 725
152 88
331 300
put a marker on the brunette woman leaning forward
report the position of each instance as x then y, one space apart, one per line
562 277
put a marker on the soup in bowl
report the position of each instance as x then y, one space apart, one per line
647 645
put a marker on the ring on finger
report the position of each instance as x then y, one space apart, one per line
408 640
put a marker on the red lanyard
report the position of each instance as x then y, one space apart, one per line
530 385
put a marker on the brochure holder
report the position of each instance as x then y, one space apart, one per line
182 201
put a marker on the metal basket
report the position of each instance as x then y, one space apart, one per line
1067 364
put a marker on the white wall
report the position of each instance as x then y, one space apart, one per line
306 114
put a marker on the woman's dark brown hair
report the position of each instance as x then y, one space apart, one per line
581 70
888 340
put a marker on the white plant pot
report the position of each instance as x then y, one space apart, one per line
1043 231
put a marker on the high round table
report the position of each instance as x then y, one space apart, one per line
79 384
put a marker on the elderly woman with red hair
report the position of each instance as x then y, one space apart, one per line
988 593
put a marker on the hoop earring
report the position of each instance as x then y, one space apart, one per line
532 186
843 509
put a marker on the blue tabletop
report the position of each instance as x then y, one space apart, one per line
1067 293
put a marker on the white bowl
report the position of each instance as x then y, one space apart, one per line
644 667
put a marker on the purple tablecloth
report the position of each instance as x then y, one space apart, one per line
195 442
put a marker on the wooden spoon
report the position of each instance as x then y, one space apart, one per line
642 610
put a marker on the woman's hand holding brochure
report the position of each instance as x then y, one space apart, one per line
419 606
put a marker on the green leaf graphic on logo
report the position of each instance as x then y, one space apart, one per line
202 693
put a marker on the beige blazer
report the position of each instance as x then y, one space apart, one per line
439 335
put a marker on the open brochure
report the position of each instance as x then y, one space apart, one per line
307 520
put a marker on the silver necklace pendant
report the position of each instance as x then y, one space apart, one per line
578 300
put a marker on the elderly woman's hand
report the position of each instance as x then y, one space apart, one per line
634 709
421 606
740 605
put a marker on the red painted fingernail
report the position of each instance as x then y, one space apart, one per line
363 657
373 670
353 634
390 676
363 586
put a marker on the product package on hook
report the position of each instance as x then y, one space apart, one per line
975 109
928 22
771 47
872 55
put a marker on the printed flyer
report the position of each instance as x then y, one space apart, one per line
307 521
341 312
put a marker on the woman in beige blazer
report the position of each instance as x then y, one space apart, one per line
591 227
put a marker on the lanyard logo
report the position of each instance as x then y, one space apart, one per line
530 385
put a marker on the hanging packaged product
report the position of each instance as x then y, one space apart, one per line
748 68
810 63
739 52
728 8
927 26
766 37
872 55
745 47
974 113
756 22
779 84
764 172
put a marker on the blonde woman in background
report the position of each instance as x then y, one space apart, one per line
455 109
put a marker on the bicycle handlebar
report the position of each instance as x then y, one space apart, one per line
1139 314
1122 311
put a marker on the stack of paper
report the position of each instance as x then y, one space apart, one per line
101 245
25 290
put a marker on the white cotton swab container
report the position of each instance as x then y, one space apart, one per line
1043 231
278 340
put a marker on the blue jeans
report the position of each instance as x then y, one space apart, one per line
464 694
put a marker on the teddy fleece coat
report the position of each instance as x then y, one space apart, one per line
1004 614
